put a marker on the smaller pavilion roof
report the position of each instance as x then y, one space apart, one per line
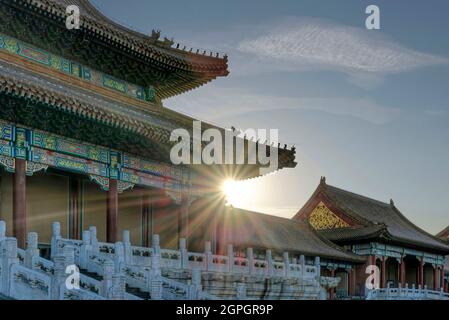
443 234
258 230
366 218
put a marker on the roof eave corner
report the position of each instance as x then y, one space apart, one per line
321 187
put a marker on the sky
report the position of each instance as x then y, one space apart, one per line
368 109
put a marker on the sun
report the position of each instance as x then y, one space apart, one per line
237 193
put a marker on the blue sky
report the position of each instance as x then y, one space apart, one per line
368 109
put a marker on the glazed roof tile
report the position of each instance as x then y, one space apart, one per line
258 230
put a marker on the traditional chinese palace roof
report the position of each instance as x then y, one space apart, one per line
103 44
102 84
258 230
345 217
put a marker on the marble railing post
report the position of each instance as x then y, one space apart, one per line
230 252
317 267
69 255
208 254
183 253
153 277
118 287
302 262
106 283
93 239
85 248
58 276
119 256
195 286
56 236
156 244
156 256
128 254
156 288
269 258
31 249
8 259
2 230
286 264
241 291
250 258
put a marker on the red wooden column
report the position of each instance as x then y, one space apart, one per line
402 272
183 218
351 285
435 278
331 290
421 273
382 273
19 203
74 203
112 212
442 277
220 228
146 212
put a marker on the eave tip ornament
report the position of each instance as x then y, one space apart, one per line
391 202
323 180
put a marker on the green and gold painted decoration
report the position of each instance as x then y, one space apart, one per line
322 218
69 146
9 163
43 150
21 143
6 131
154 168
114 165
6 148
72 68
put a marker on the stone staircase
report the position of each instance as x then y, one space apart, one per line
138 293
131 290
25 275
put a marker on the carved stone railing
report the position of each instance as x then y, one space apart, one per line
42 265
27 284
174 290
406 294
26 275
137 276
141 267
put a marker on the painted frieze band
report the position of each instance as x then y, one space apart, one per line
42 150
72 68
378 249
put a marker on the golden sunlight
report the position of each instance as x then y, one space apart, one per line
237 193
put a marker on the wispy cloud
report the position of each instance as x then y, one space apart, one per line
233 102
314 43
